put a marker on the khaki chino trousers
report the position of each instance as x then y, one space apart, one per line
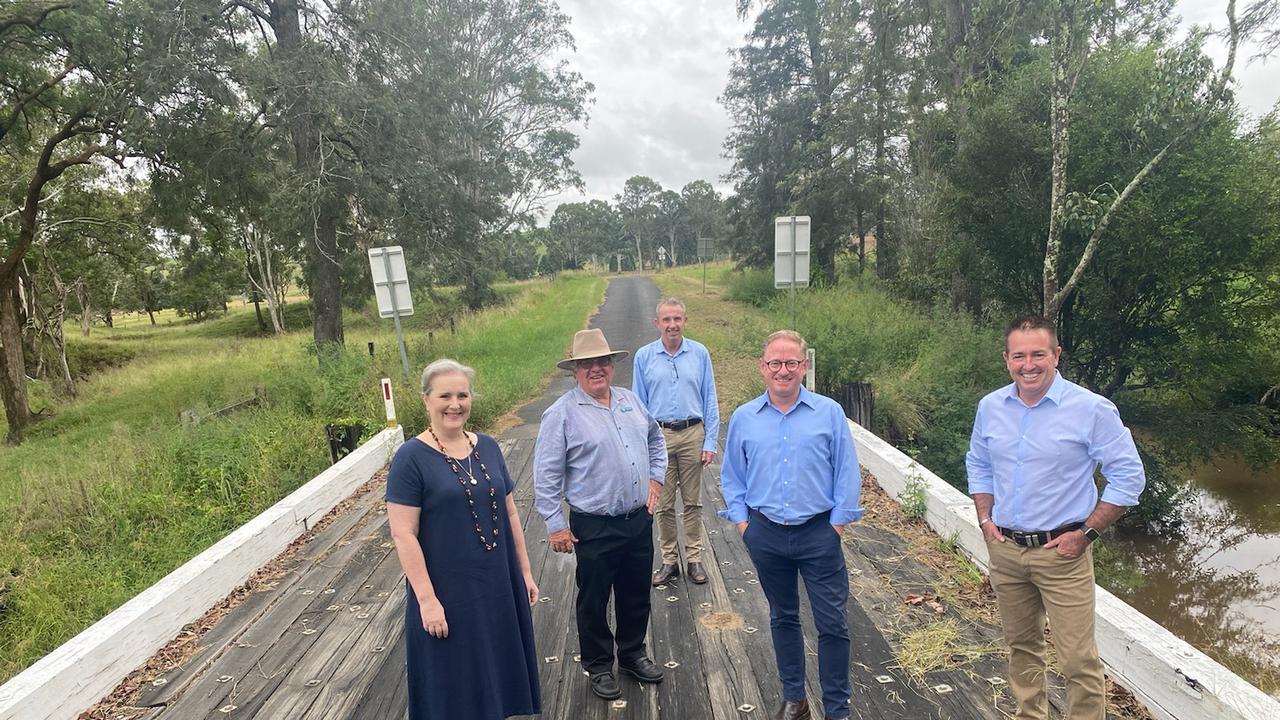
683 478
1030 583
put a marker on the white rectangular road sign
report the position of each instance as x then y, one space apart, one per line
791 251
390 281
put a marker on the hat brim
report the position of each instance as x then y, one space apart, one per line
570 363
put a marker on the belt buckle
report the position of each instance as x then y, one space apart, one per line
1026 539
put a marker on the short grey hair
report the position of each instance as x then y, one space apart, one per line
791 335
657 311
446 366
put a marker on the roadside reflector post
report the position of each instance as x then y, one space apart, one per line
388 400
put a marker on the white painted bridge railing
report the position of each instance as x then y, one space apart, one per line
1171 678
78 674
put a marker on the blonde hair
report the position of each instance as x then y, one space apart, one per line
446 366
791 335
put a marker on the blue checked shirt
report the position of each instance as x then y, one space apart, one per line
1038 461
599 458
678 387
791 466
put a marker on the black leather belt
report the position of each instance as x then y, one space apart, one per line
679 424
753 514
1036 539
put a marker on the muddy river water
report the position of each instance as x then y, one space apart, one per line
1217 583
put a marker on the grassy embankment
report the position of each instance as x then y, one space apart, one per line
111 493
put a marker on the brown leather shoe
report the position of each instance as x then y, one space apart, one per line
666 574
696 572
793 710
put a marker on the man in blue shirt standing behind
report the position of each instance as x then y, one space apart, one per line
672 377
1031 460
791 483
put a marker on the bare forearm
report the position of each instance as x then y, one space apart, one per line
983 502
1104 515
414 564
517 537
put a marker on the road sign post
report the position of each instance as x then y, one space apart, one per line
705 248
791 256
391 288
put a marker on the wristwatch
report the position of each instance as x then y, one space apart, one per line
1090 534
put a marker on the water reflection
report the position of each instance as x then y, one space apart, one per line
1218 584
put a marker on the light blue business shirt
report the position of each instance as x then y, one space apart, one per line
1038 461
599 458
679 386
791 466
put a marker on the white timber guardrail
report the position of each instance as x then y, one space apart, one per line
1171 678
79 673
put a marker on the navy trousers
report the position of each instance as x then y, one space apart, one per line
614 557
812 551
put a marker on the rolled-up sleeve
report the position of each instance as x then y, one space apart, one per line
847 481
1111 446
977 461
549 469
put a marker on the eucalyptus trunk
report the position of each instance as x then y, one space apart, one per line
324 281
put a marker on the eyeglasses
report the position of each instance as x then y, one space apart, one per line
589 363
776 365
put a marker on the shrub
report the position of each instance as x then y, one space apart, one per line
752 286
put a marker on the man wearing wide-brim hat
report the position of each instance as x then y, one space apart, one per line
600 450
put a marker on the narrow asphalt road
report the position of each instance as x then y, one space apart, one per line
626 317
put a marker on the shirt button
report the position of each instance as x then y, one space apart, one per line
784 459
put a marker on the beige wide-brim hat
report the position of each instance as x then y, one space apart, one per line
589 344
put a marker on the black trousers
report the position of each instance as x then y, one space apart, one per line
614 556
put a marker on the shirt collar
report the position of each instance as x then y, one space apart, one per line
1056 389
684 347
582 398
805 397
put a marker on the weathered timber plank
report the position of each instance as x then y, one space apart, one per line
254 662
251 608
740 665
673 638
883 573
346 662
387 694
308 666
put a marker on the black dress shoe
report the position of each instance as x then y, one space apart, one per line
666 574
697 573
606 685
793 710
643 670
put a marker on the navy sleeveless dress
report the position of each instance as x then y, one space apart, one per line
486 669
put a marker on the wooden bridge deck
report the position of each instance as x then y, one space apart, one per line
323 639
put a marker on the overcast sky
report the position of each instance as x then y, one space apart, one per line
658 67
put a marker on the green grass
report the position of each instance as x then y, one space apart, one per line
111 493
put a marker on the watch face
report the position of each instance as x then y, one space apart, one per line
1090 534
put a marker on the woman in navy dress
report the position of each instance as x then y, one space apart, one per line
468 627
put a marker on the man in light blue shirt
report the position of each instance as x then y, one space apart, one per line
672 377
1031 460
791 483
601 450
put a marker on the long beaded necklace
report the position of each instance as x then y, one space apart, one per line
459 471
